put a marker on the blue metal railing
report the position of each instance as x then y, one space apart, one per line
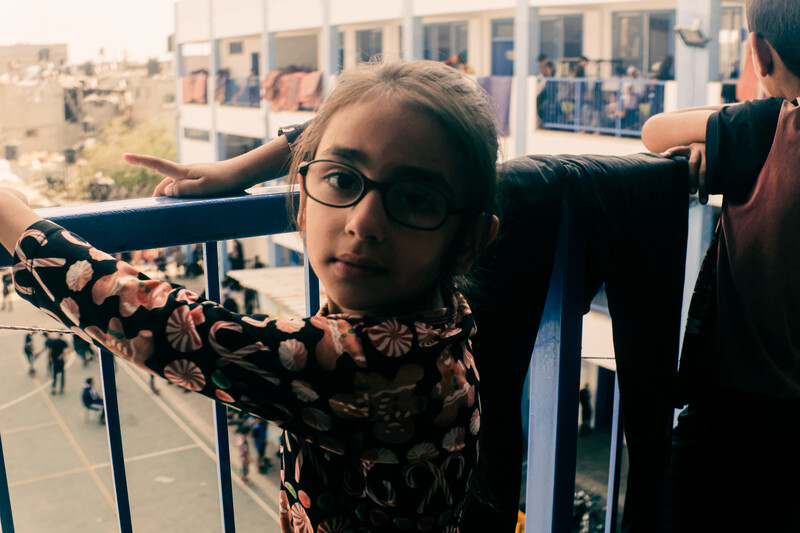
163 222
241 92
612 106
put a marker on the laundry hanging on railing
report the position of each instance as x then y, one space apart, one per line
292 90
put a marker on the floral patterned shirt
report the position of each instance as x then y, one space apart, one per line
381 416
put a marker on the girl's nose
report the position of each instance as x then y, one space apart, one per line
367 219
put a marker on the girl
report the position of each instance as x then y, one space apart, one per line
377 392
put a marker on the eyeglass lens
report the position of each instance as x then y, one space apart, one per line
410 203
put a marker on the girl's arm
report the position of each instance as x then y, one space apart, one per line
319 377
15 217
268 161
676 128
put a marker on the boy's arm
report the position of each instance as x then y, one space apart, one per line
15 217
676 128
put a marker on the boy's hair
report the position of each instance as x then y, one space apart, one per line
778 21
460 106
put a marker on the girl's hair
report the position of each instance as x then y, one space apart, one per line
460 106
456 102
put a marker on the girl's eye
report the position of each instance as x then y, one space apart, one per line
416 199
342 181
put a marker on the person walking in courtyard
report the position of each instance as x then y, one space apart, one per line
57 351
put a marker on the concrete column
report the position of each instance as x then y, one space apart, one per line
328 47
696 66
526 48
177 58
412 32
213 66
268 62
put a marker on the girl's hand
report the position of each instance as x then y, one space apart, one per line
198 179
15 217
15 192
696 152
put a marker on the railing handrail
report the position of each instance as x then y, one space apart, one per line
145 223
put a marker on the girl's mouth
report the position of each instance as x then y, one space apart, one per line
351 265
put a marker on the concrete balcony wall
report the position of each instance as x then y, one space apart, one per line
196 151
293 15
192 21
423 8
196 116
233 18
361 11
244 121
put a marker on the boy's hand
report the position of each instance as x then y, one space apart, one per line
198 179
696 152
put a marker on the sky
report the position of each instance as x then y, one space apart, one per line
138 27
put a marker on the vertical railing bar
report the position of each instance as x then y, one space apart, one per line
312 287
614 462
6 518
555 377
111 406
211 259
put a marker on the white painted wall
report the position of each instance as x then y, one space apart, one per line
196 151
244 121
239 64
449 7
292 15
196 116
191 22
237 17
361 11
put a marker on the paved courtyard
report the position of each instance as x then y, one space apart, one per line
57 457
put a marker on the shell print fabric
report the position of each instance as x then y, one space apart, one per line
381 415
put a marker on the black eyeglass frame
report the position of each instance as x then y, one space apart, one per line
382 188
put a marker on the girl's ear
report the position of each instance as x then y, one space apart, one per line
301 208
481 232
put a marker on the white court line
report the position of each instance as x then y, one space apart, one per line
192 435
149 455
65 473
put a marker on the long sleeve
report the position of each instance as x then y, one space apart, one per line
389 392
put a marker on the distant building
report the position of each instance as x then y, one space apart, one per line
15 59
48 105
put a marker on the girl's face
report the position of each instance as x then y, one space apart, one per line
368 263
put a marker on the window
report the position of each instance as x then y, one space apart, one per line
44 54
235 47
443 41
31 133
641 39
233 145
561 38
369 43
503 47
196 134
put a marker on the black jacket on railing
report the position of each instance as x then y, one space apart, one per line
634 213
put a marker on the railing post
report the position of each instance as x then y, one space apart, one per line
211 253
6 518
312 287
111 406
614 462
554 383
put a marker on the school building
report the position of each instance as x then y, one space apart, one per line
247 67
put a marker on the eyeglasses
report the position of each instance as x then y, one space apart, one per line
410 203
